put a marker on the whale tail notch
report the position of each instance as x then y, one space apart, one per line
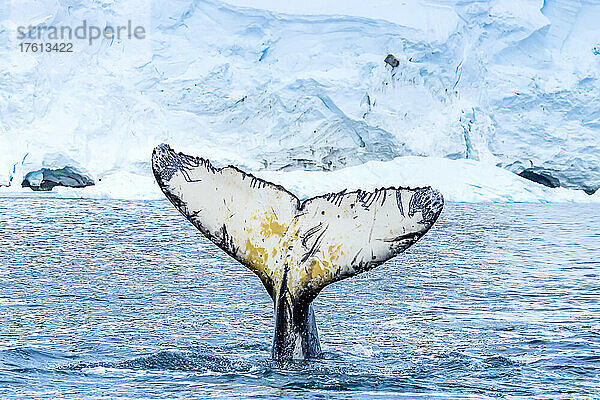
295 247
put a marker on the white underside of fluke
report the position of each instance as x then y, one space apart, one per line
296 248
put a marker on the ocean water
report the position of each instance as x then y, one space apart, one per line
126 300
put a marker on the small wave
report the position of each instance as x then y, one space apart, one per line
499 361
32 354
173 361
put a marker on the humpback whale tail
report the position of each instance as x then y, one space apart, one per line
295 247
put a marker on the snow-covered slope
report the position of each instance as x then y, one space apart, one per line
273 85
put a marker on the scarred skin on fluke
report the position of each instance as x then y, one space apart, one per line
295 247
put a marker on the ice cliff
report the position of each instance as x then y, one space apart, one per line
285 86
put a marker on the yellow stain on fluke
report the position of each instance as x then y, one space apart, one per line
307 245
319 269
257 256
335 252
271 227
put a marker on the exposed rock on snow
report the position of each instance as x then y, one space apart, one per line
542 178
392 61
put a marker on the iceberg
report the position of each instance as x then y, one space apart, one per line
482 94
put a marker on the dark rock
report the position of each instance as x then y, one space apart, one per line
391 60
45 179
540 177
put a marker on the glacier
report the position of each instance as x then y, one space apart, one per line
299 93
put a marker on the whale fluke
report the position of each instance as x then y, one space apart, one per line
295 247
